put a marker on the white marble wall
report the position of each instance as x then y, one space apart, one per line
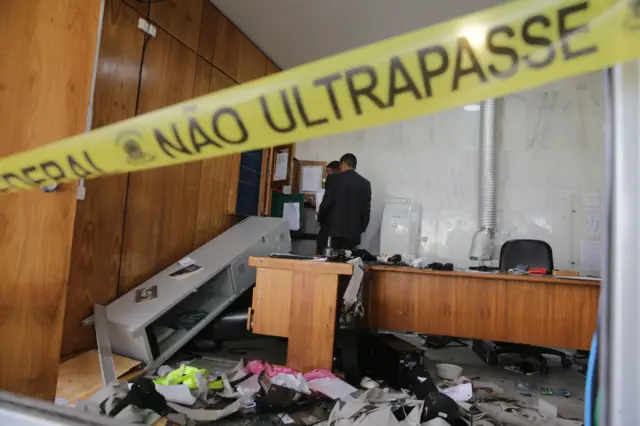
550 155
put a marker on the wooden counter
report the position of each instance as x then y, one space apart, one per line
537 310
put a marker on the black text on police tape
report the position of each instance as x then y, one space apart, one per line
78 166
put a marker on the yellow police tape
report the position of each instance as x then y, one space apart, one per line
491 53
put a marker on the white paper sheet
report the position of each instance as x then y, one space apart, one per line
590 255
319 197
547 408
311 179
459 393
179 394
291 381
334 388
203 415
186 261
282 161
291 212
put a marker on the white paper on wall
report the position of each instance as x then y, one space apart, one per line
291 212
590 255
311 179
282 163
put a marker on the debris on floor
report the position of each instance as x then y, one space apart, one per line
244 393
81 376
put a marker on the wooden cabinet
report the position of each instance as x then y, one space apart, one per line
299 300
271 302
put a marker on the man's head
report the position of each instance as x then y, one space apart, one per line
347 162
333 167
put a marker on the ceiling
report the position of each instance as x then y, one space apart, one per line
293 32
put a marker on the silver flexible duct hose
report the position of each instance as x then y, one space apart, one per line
482 243
488 165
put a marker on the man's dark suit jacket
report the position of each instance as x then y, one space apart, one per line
346 206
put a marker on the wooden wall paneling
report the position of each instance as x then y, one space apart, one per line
265 182
202 78
161 203
208 25
180 18
271 68
226 47
215 183
252 64
97 237
140 6
232 200
45 83
234 173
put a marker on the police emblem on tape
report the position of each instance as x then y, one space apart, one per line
129 142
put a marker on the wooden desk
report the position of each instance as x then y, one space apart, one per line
545 311
298 299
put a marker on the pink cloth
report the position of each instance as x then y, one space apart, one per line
318 374
256 367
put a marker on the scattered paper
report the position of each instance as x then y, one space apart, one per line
282 163
333 388
291 381
186 261
250 386
179 394
286 419
291 212
459 393
352 293
311 179
202 415
590 255
547 408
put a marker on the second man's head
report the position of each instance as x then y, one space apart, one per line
348 162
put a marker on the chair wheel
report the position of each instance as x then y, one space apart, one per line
566 363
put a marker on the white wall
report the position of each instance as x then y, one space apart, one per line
550 157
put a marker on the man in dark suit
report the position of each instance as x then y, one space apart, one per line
346 205
323 234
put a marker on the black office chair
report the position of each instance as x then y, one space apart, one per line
534 254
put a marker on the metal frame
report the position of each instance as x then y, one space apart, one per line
620 294
21 411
